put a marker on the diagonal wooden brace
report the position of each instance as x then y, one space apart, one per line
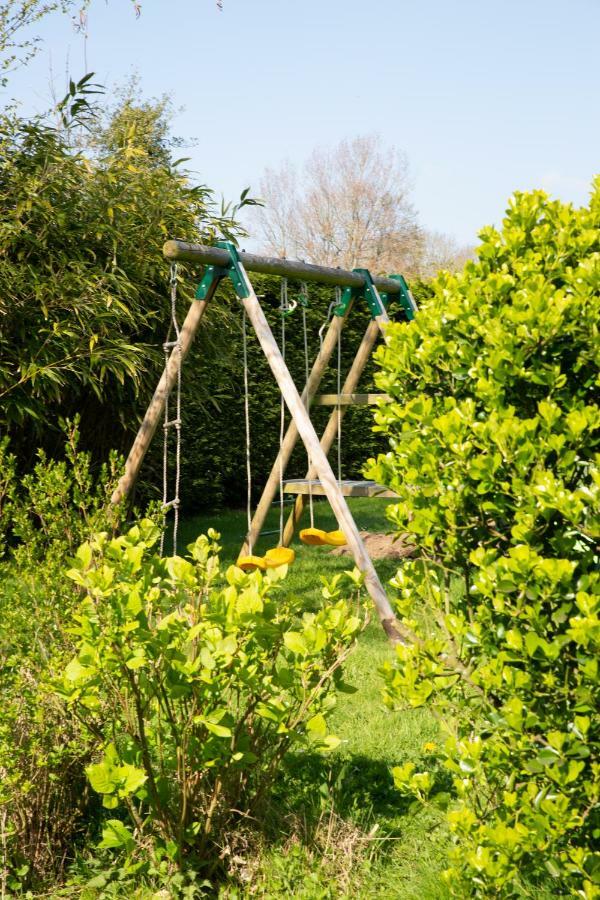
320 462
291 436
329 435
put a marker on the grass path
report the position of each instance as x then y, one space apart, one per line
350 792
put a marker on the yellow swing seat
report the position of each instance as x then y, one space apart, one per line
317 537
250 563
335 538
279 556
314 537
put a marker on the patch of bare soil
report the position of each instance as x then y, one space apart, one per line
380 546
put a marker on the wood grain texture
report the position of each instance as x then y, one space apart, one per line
306 486
349 399
204 255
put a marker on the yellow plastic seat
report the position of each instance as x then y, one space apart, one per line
335 538
314 537
250 563
279 556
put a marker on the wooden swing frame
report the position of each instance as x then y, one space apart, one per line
224 261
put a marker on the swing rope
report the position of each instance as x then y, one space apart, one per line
275 556
335 304
170 346
247 421
307 401
338 300
284 309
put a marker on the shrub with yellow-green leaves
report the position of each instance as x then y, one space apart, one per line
494 428
195 683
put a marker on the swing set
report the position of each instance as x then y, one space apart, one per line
351 287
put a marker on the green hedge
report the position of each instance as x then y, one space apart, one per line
494 430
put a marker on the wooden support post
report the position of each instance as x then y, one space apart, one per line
331 430
291 436
320 462
157 404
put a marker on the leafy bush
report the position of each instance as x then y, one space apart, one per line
43 796
195 686
494 431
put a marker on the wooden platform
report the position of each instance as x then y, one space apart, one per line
349 488
348 399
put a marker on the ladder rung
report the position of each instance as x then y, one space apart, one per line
172 504
348 488
349 399
168 345
171 422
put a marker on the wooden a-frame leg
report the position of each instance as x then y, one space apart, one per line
291 436
360 360
320 462
157 404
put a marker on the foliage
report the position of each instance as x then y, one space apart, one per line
494 428
43 797
82 276
195 686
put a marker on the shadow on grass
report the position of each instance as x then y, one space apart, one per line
357 788
337 827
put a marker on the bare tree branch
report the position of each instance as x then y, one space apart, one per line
350 206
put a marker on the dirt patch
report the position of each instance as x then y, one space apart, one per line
380 546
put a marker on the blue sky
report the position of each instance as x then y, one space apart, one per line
485 98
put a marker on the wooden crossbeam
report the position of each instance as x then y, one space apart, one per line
306 486
349 399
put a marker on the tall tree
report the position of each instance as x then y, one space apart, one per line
83 286
349 206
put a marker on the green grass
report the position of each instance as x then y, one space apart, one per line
351 792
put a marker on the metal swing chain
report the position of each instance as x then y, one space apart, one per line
170 347
247 421
284 307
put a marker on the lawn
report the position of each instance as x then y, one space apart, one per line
340 827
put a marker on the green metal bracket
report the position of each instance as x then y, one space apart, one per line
368 292
407 301
233 271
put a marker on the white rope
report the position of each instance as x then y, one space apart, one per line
338 300
284 308
247 420
307 402
170 347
